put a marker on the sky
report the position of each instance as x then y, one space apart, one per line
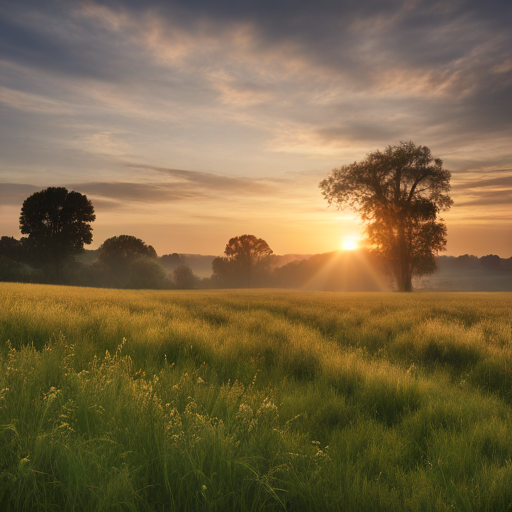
189 122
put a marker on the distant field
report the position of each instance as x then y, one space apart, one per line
254 400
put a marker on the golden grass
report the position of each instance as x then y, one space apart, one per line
250 400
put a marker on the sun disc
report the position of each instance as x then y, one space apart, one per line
349 245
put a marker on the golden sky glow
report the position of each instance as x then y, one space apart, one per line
187 123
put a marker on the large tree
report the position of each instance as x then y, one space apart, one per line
398 193
57 223
245 255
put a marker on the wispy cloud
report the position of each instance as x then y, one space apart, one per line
500 181
492 191
217 182
180 185
485 198
125 192
13 194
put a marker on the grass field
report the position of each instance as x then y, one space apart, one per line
254 400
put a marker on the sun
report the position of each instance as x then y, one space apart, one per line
349 244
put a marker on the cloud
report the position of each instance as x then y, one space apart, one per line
484 219
107 194
367 73
217 182
359 131
32 102
126 192
180 185
107 143
13 194
239 93
492 191
47 38
501 181
485 198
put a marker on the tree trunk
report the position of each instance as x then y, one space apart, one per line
404 277
407 283
406 280
403 280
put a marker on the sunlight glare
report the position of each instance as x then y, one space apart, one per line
349 244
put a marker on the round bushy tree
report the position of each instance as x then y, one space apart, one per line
245 255
57 223
129 263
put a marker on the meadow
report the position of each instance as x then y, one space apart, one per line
254 400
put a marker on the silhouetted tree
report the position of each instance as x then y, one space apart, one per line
184 278
57 223
11 270
398 193
17 261
467 260
490 261
12 249
224 273
171 261
123 248
145 272
122 256
245 256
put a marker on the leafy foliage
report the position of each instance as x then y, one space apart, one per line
13 249
398 193
184 278
126 261
490 261
171 261
246 255
57 223
146 273
118 250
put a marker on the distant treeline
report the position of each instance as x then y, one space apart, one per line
469 273
491 261
138 266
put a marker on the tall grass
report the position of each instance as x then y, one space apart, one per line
252 400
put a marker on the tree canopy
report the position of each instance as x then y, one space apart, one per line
398 193
127 262
57 223
121 249
13 249
184 278
244 255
